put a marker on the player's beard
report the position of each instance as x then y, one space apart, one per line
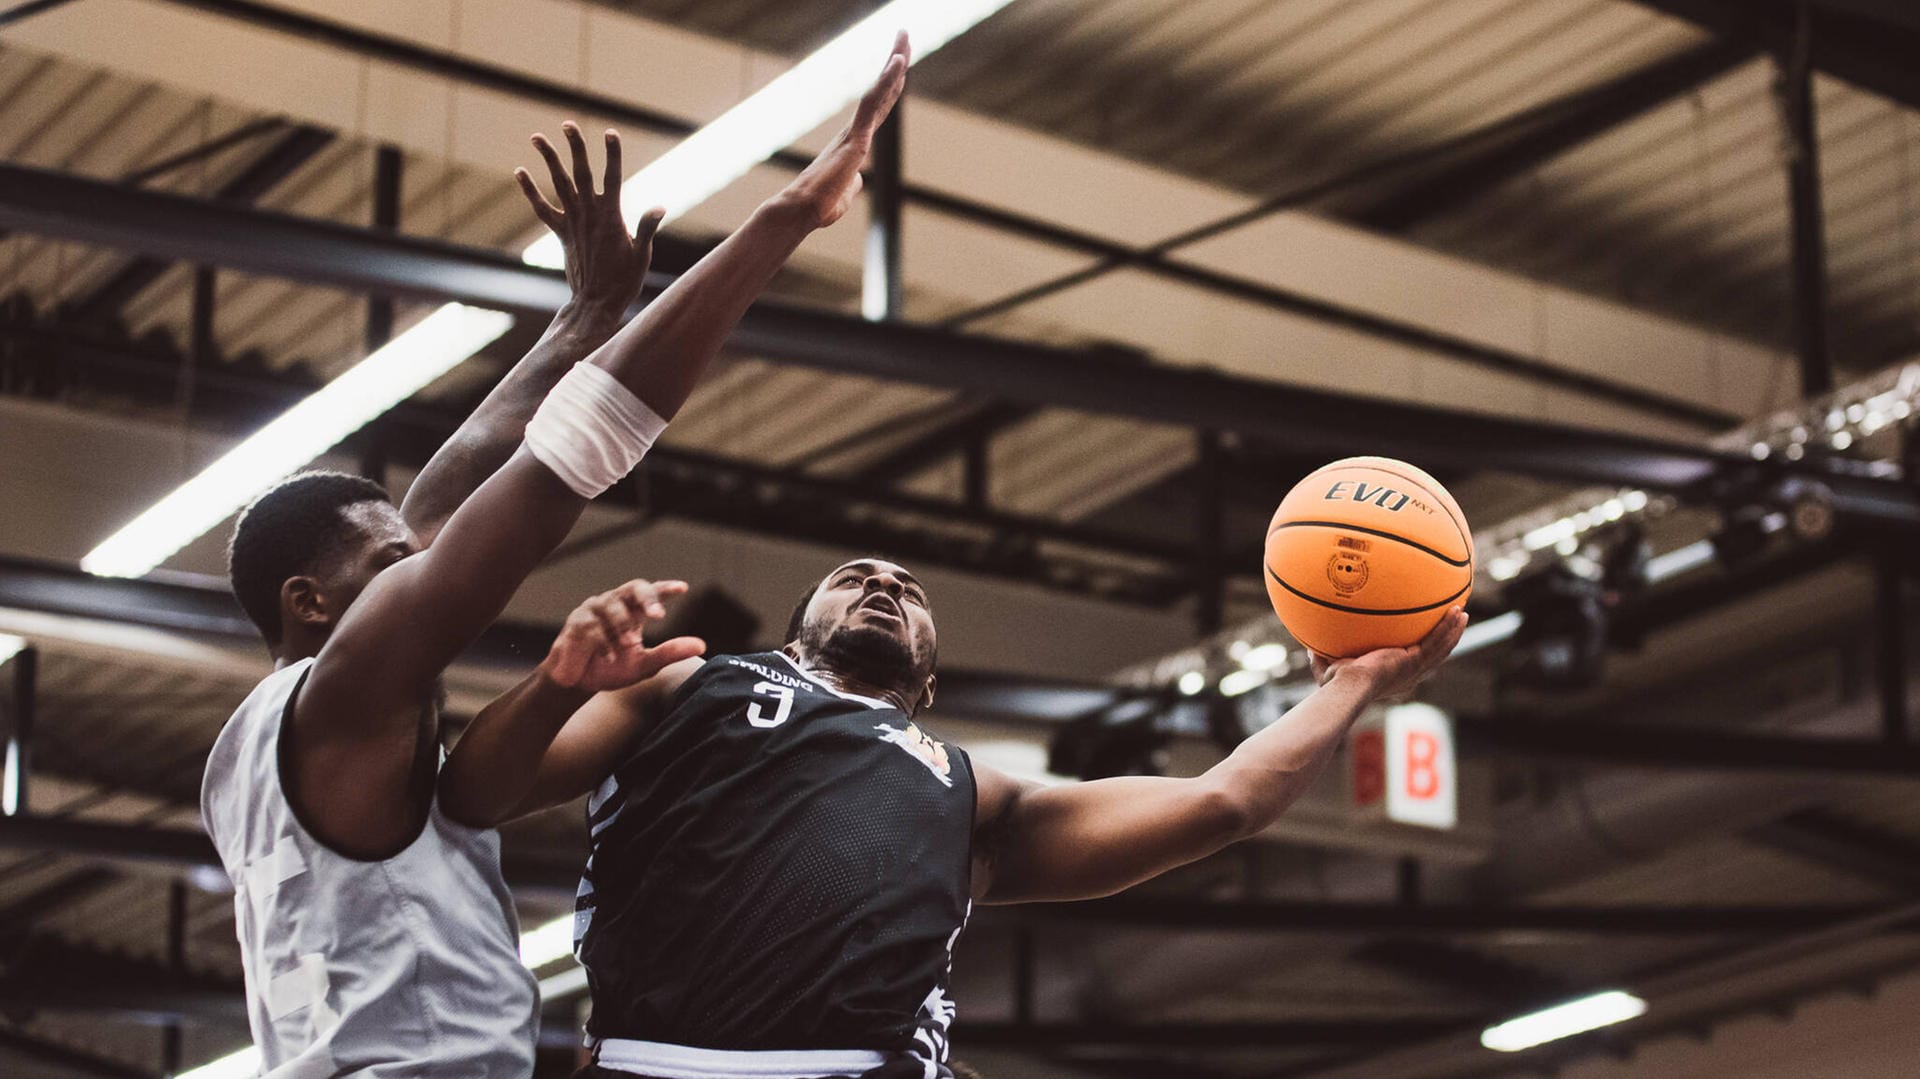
871 655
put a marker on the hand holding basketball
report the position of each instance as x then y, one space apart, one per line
1395 672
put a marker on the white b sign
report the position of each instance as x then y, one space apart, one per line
1403 766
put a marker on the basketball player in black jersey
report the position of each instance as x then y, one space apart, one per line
782 859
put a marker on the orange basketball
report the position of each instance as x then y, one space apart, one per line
1367 553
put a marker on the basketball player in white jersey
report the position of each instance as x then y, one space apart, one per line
377 933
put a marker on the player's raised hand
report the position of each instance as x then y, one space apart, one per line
1395 672
600 647
825 189
606 264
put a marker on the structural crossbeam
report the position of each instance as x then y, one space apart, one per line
1316 421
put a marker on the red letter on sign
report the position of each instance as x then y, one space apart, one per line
1423 752
1369 767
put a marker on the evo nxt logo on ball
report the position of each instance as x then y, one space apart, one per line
1359 491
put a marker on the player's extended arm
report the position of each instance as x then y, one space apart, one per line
606 265
1085 840
357 719
574 715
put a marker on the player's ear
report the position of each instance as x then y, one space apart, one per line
301 601
926 694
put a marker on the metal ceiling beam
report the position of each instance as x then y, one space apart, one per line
275 164
1821 836
1901 13
1581 119
1872 54
49 974
450 65
246 132
1460 1054
61 1056
1806 211
1317 421
1103 563
28 10
1054 1038
184 849
1632 745
942 440
1274 916
1462 972
68 888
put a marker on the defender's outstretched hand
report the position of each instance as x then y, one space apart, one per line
600 648
825 189
1395 672
605 263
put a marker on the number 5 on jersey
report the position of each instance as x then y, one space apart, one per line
760 719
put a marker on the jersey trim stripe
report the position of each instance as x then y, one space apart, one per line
816 680
660 1060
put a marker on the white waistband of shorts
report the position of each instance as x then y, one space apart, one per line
665 1061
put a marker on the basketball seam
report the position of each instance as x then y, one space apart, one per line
1362 610
1458 563
1459 524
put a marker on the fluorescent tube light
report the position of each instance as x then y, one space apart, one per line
779 113
1563 1021
244 1064
1242 681
391 374
1265 657
550 942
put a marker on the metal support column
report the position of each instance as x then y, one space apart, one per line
19 759
974 476
170 1043
387 166
880 299
1210 576
1407 879
1023 976
1890 646
203 351
1795 90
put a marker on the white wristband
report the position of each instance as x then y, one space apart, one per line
591 430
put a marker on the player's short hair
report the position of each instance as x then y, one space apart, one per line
799 616
291 529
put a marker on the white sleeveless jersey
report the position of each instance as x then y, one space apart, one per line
404 967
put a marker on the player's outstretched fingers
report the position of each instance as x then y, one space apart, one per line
621 619
582 166
547 212
562 183
610 180
669 652
646 230
877 102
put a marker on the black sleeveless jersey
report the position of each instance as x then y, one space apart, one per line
776 865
